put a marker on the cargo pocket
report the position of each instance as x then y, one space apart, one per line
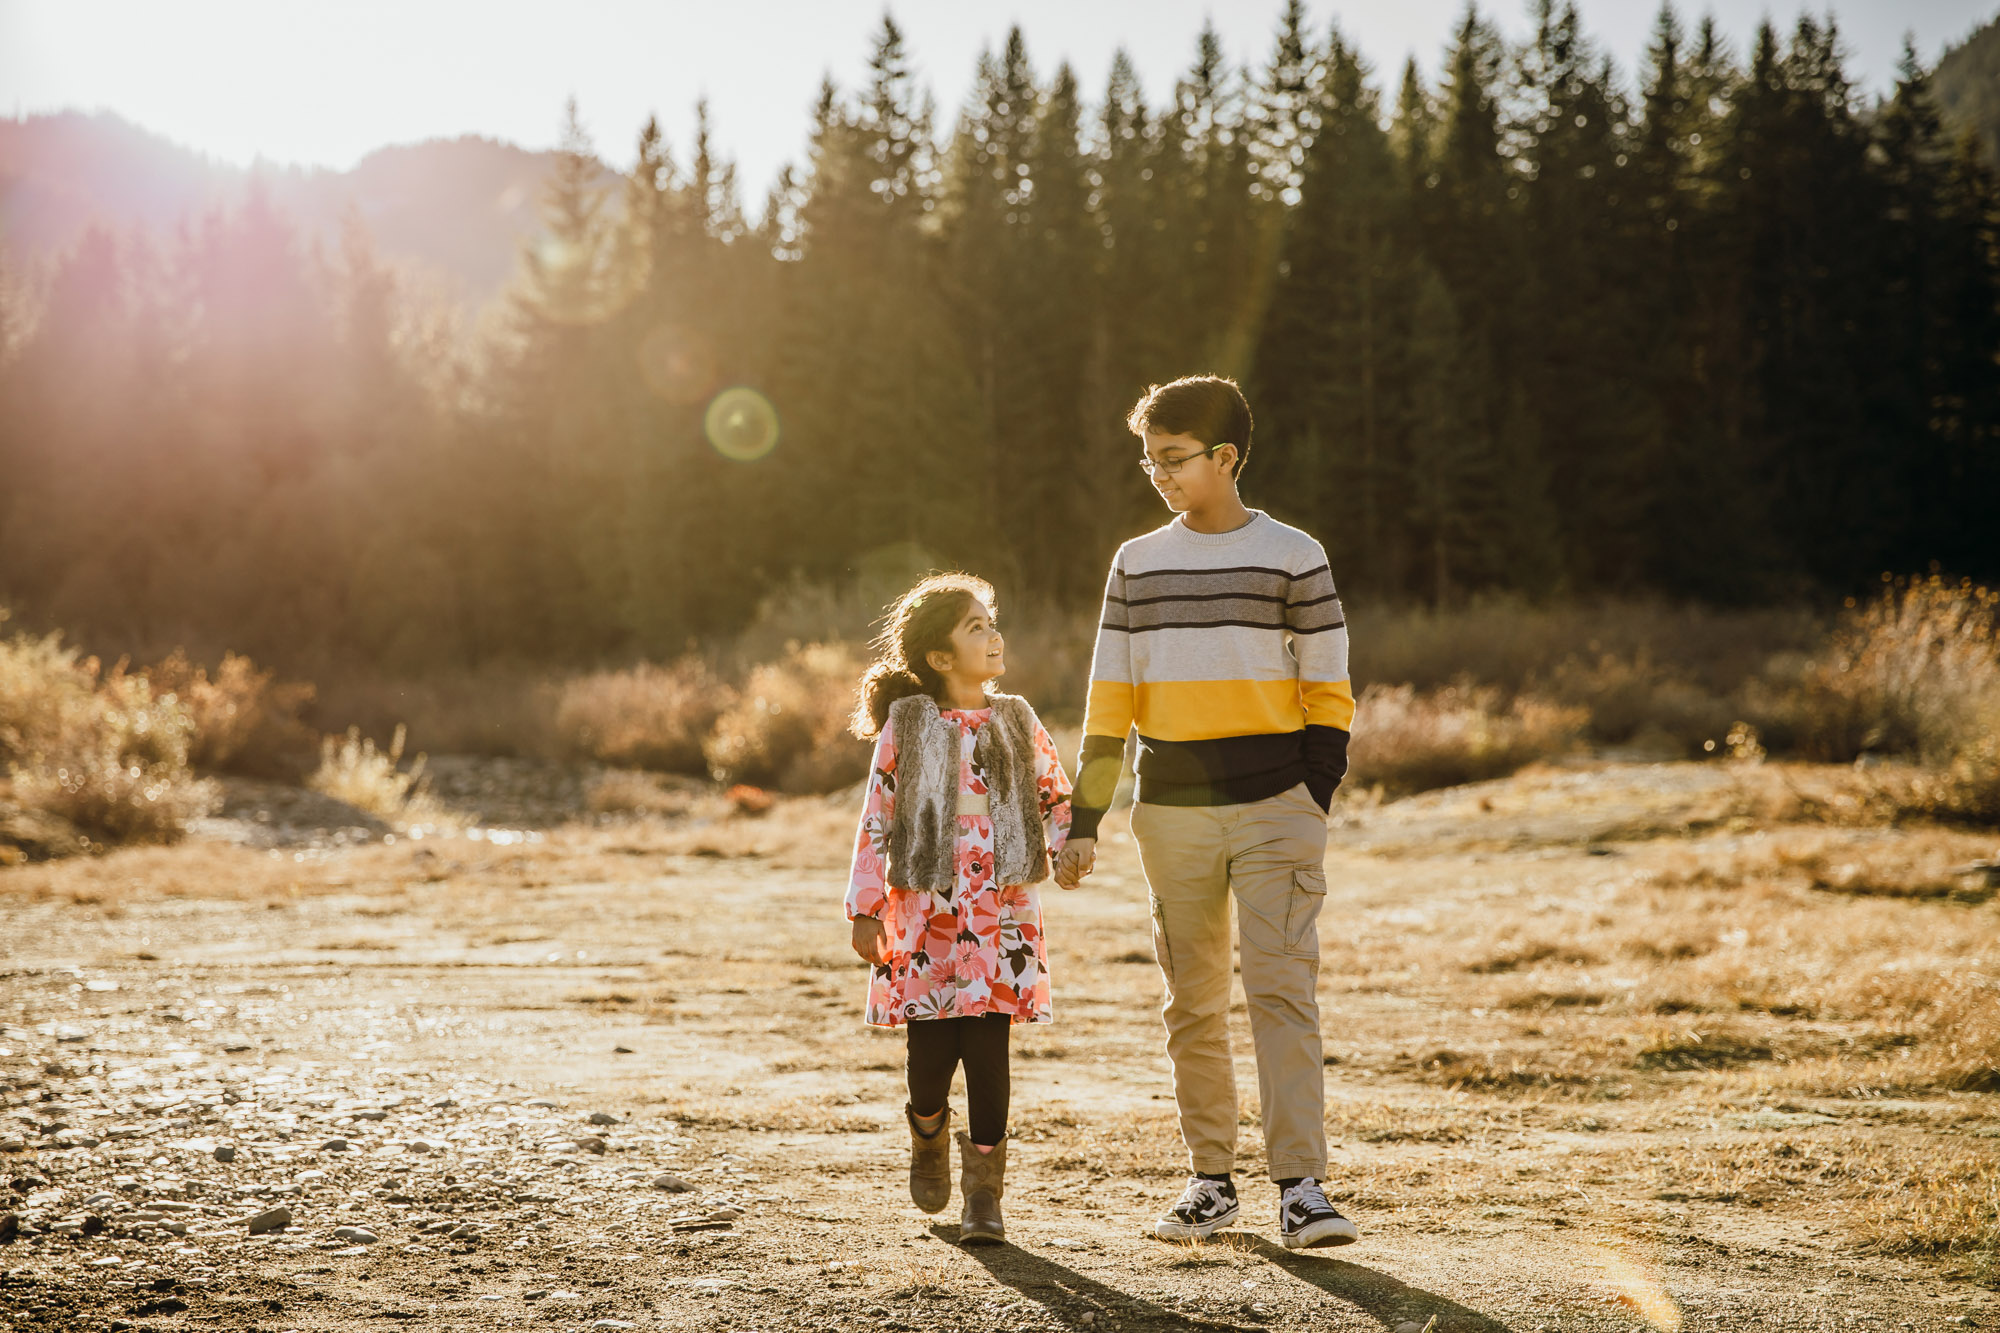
1302 911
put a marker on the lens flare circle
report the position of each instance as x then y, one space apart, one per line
741 424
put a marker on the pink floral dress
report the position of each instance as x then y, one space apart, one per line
976 949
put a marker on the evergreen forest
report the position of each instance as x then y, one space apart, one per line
1717 329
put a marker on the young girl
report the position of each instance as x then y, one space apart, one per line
965 805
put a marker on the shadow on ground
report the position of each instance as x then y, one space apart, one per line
1384 1298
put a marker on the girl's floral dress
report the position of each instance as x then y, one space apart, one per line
976 949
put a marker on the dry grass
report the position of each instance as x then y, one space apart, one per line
630 792
1409 742
97 749
1915 673
646 716
788 726
354 771
245 721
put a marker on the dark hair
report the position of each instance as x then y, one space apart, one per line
1210 408
920 623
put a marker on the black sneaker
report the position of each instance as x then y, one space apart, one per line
1206 1207
1307 1221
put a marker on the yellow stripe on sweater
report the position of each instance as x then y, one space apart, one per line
1108 711
1328 703
1199 710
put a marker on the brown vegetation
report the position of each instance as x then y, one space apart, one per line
96 749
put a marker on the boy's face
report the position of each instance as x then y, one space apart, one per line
1188 474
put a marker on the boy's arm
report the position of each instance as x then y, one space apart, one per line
1108 714
1319 638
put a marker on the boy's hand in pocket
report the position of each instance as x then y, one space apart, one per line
870 940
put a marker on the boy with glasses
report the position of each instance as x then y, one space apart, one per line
1222 640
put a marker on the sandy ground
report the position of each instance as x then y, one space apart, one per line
529 1078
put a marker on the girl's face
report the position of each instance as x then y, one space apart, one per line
978 653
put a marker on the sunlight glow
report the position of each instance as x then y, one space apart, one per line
1635 1284
742 424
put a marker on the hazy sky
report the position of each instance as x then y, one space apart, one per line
323 83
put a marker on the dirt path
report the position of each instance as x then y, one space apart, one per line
484 1055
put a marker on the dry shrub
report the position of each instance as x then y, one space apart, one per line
625 791
788 726
354 771
645 716
1636 700
1513 644
1406 742
1916 672
97 749
502 709
244 722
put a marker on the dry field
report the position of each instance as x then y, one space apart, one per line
1609 1047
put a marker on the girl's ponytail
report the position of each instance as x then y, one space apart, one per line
881 685
920 624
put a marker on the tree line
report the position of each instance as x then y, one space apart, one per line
1725 332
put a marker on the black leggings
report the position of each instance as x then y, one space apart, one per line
938 1045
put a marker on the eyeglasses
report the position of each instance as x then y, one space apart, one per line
1167 467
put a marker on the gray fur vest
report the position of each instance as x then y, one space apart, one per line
923 832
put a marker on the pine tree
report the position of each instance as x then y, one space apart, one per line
1324 366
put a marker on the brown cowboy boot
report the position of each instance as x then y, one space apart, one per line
930 1162
982 1179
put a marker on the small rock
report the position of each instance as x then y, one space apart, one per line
614 1323
443 1103
603 1118
622 1050
271 1219
10 1227
727 1213
102 1196
671 1183
225 1152
464 1231
13 1145
543 1102
535 1295
422 1147
593 1144
334 1145
355 1235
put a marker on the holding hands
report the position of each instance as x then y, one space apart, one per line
1078 858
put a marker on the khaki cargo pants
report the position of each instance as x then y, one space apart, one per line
1271 854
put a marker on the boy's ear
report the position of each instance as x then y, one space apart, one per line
939 662
1235 463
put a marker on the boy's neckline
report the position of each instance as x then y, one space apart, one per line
1235 534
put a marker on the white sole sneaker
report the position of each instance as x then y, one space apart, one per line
1172 1228
1317 1235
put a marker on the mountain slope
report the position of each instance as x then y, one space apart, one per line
459 208
1968 86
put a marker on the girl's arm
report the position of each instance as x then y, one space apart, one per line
1052 786
867 881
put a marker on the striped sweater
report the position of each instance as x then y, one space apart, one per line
1228 651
